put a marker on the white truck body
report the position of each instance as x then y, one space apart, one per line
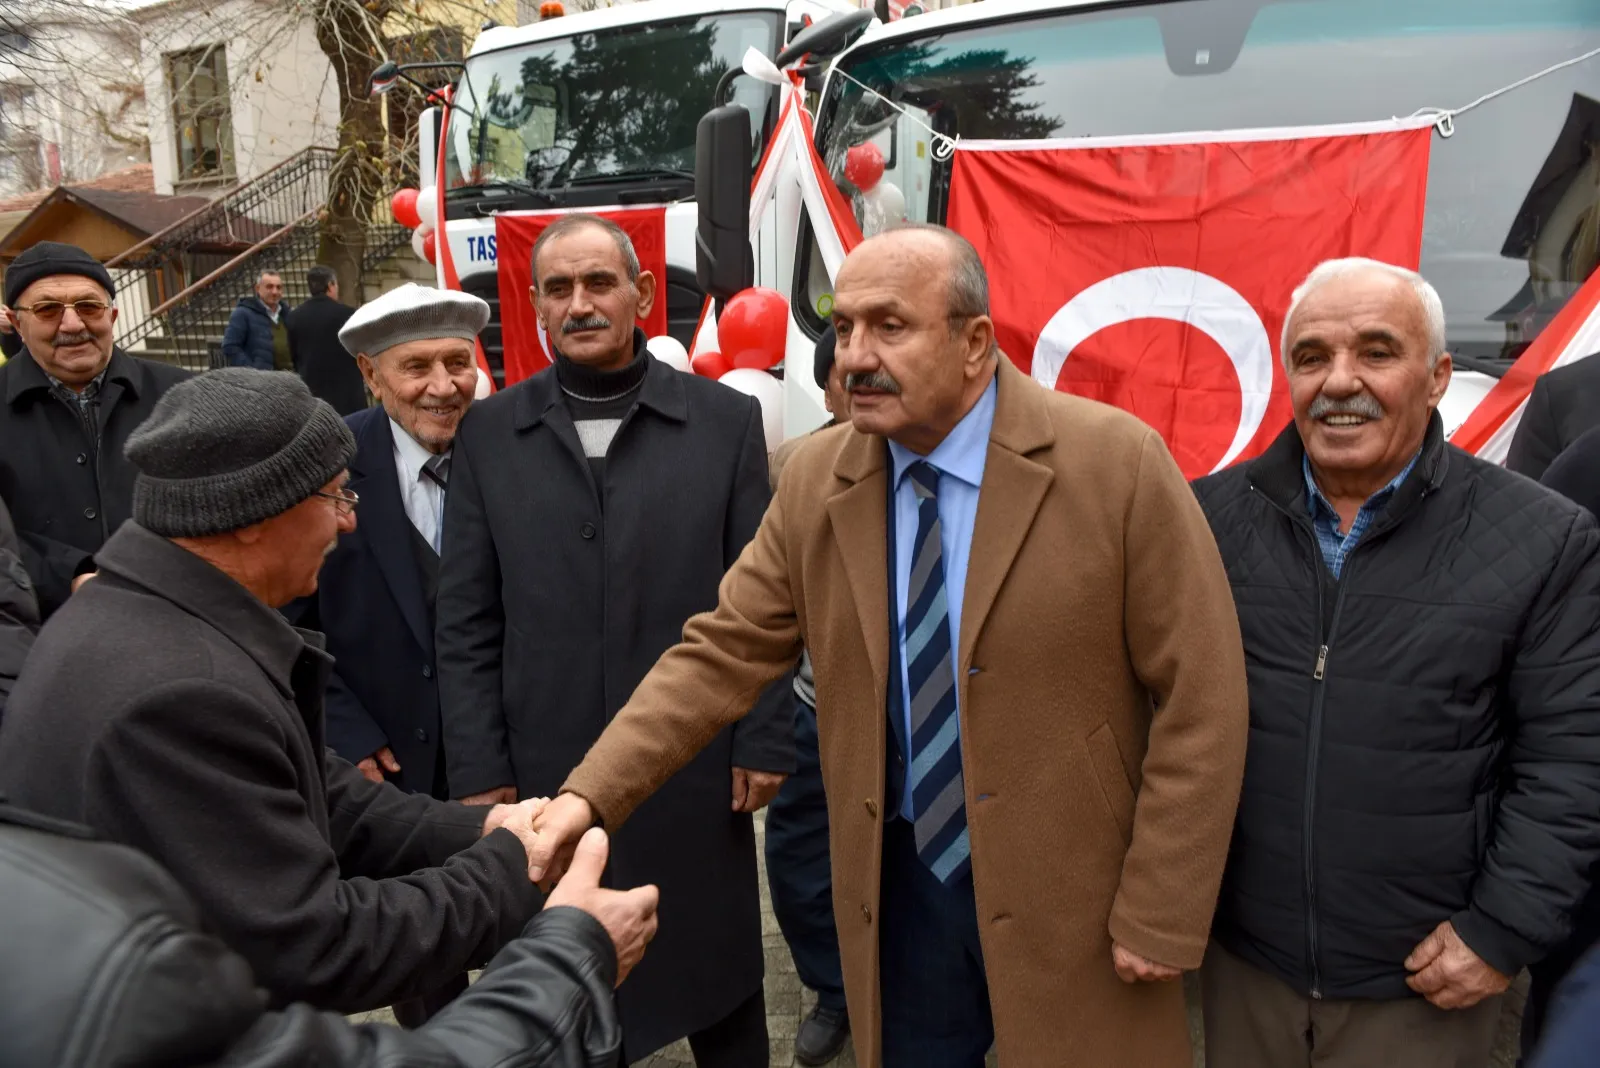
1502 274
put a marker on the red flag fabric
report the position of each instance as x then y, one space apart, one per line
514 234
1156 276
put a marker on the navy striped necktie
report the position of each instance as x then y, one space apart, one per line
938 804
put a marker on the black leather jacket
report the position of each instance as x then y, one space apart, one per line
103 965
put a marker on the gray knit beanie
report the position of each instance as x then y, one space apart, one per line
233 447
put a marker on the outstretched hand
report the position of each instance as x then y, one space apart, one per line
629 916
559 827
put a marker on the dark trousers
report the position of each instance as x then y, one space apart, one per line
799 872
738 1040
1255 1020
932 987
1545 976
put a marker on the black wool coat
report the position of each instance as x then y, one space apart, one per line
19 609
67 494
1563 405
329 371
372 604
169 710
1424 730
556 596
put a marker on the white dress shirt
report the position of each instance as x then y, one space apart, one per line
422 496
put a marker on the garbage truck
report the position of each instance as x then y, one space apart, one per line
589 111
1507 205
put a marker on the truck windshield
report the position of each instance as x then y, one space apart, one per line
1513 213
611 103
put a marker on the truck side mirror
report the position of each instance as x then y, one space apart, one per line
723 262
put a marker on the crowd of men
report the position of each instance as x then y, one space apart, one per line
449 683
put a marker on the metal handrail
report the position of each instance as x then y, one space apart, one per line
216 204
271 239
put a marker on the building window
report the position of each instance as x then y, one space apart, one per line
202 119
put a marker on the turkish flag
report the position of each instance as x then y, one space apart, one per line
526 347
1156 276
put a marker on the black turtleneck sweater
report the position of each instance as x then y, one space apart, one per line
600 400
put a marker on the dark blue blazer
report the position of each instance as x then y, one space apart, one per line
371 604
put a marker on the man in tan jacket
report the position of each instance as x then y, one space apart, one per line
1030 690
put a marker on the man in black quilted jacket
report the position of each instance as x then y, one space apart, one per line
1421 803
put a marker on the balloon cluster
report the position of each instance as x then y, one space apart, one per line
753 331
883 205
418 211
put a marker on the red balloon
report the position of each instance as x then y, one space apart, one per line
403 206
430 248
754 328
863 165
710 365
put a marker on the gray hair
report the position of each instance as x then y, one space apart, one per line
969 283
266 272
569 223
1330 270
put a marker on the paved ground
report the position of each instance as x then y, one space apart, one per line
788 1003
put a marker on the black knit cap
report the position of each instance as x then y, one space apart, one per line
822 364
52 257
233 447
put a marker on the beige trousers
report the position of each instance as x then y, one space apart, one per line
1254 1020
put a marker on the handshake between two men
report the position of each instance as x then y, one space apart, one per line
629 916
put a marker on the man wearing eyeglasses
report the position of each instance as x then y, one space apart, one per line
70 403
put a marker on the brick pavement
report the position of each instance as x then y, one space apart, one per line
788 1003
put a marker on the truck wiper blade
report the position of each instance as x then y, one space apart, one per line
643 173
484 187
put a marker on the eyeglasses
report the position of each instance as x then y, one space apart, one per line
345 500
50 311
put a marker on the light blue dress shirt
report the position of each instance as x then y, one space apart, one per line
960 458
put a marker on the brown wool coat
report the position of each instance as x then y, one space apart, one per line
1103 714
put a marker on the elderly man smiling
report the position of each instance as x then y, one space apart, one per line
1422 799
71 403
375 598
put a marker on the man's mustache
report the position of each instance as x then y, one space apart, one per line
65 338
593 322
879 381
1362 404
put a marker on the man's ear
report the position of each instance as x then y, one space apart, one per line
369 371
646 287
533 298
1440 374
979 336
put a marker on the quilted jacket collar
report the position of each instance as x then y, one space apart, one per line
1277 473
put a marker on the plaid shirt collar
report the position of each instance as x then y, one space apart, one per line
78 398
1325 520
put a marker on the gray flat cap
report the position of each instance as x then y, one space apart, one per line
413 313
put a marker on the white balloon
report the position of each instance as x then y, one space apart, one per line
768 392
484 387
428 207
416 245
883 208
670 351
